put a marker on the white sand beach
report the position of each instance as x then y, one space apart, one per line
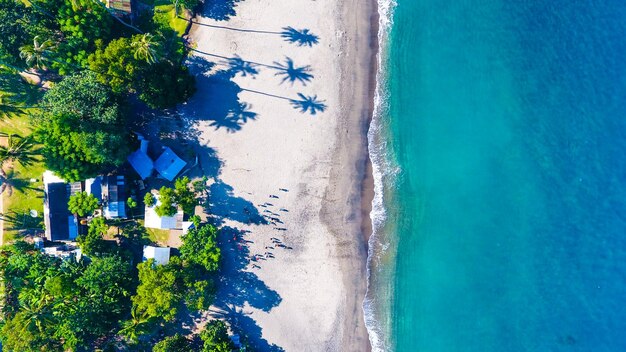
283 173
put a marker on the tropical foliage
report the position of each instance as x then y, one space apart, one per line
167 199
200 246
82 203
81 128
48 302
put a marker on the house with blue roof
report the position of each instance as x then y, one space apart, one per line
168 165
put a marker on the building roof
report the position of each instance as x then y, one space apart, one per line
153 221
60 224
93 186
169 164
141 162
114 196
123 6
161 255
187 225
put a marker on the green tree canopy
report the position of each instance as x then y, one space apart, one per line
83 22
149 199
166 84
185 197
90 102
200 247
19 24
135 65
158 295
167 197
82 128
93 242
116 64
82 203
215 337
51 304
176 343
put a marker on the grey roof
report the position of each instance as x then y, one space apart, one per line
114 194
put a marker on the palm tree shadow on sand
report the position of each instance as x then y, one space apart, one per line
302 37
291 73
308 104
220 10
217 99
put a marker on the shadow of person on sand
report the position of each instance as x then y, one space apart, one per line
238 287
224 205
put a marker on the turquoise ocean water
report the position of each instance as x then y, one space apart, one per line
500 150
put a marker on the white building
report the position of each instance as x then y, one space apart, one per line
153 221
161 255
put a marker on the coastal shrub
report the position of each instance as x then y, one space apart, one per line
200 247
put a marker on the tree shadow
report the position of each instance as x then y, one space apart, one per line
19 89
302 37
208 161
239 66
217 100
308 104
224 205
238 287
220 10
12 181
291 73
23 222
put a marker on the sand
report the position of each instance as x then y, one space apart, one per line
278 172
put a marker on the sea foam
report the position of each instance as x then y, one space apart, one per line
376 308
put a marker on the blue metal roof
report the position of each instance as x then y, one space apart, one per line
141 162
169 164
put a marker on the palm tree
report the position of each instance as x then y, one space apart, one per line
19 149
135 326
37 54
146 47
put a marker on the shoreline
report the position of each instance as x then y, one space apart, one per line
367 189
367 183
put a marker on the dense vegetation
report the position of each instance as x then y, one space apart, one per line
54 305
93 64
